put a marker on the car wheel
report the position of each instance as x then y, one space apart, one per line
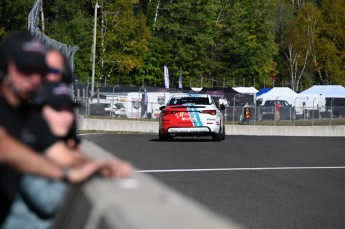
165 137
217 137
161 137
223 133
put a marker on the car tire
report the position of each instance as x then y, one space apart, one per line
217 137
165 137
223 133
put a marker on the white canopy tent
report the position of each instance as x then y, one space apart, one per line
279 93
246 90
329 91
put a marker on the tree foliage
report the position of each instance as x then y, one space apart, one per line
217 43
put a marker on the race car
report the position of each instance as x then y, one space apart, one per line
191 115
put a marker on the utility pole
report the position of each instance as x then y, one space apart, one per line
94 49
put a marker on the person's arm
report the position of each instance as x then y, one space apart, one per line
25 160
61 154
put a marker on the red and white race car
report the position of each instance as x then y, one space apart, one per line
191 115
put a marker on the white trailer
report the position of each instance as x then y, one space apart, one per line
312 102
301 102
137 107
155 101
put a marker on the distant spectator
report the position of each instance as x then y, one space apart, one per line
277 110
223 103
246 115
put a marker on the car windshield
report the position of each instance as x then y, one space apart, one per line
118 105
191 100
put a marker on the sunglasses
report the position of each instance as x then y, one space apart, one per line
55 71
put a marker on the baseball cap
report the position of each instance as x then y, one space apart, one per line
56 95
27 52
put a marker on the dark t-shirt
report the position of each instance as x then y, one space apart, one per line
36 133
13 120
27 125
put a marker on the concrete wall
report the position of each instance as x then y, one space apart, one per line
139 202
152 127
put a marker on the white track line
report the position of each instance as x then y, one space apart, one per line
236 169
89 134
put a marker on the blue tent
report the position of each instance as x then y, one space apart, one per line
263 91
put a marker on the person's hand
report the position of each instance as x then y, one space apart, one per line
115 168
83 172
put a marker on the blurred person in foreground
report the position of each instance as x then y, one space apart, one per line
22 62
47 131
58 72
56 66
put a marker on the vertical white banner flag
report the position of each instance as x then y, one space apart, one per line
180 79
166 77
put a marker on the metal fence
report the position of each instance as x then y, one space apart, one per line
287 115
132 109
136 109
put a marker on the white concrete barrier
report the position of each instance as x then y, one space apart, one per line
152 127
139 202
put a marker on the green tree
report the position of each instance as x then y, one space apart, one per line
183 36
214 41
296 51
247 42
332 44
124 40
72 24
12 16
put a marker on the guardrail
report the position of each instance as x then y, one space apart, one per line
139 202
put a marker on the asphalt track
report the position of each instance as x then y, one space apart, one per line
256 181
